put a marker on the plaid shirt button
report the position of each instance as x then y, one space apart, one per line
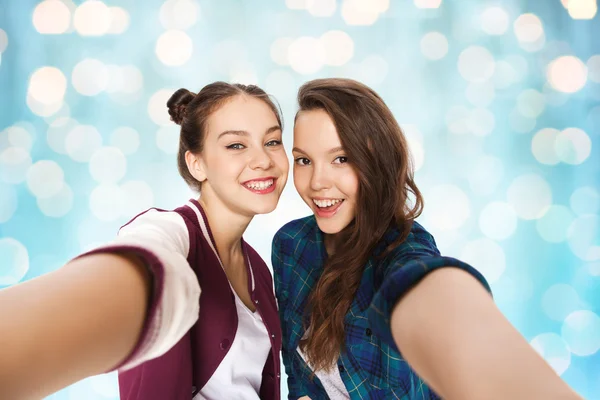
368 332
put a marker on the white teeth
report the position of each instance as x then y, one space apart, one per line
259 185
326 203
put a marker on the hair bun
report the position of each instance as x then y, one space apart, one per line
177 104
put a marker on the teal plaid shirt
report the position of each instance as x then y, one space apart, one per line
370 365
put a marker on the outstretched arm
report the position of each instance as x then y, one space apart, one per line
78 321
452 334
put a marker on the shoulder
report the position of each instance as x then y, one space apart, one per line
419 242
296 230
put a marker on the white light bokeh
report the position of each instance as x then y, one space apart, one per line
428 3
486 256
573 146
9 202
584 237
581 332
554 350
45 178
82 141
51 17
47 85
434 45
107 202
14 164
17 136
485 175
41 109
133 80
560 300
281 84
360 12
582 9
57 133
108 165
373 70
520 123
567 74
481 94
125 139
179 14
481 121
3 41
528 28
476 64
306 55
531 103
57 205
167 139
457 118
504 75
157 107
321 8
137 197
243 73
296 4
498 220
92 18
593 65
174 48
530 196
280 49
338 46
90 77
543 146
553 226
448 207
119 20
585 200
494 21
14 262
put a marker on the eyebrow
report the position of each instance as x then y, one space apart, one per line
245 133
330 151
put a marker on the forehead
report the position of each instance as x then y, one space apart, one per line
315 131
242 113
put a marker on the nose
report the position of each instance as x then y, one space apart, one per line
319 179
260 159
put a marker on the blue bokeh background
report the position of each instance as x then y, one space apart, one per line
500 101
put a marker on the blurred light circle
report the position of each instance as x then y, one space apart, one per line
532 47
449 207
137 197
486 256
360 12
530 103
3 41
457 119
520 66
48 85
543 146
116 78
504 75
108 165
8 205
381 5
494 21
485 175
18 136
41 109
528 28
321 8
167 139
553 97
14 262
125 139
179 14
582 9
498 220
296 4
45 178
561 300
434 45
51 17
481 121
82 141
520 123
119 20
530 196
573 146
57 205
281 84
476 64
585 200
90 77
567 74
554 350
584 237
133 81
374 70
581 332
57 133
280 50
63 112
107 202
157 107
593 65
338 46
480 94
14 164
306 55
594 268
428 3
174 48
92 18
553 226
417 152
244 74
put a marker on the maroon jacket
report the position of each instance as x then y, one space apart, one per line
181 372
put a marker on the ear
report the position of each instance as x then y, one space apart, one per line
195 165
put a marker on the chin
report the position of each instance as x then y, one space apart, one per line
330 227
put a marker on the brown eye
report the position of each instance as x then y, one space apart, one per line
302 161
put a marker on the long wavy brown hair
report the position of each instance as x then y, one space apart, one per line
387 196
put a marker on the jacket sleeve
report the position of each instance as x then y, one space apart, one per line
161 240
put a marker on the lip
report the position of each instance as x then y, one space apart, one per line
326 213
268 190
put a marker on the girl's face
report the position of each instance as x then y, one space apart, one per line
243 163
322 174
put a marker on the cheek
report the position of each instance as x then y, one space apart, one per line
349 183
300 180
